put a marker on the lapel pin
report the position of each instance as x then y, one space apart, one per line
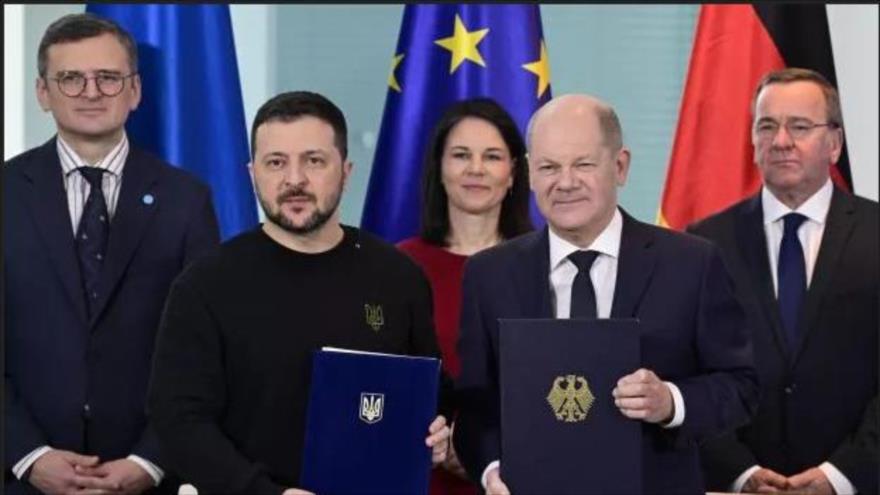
148 199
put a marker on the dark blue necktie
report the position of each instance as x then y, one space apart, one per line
91 235
583 296
792 276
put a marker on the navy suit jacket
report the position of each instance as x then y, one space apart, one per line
79 383
693 334
819 403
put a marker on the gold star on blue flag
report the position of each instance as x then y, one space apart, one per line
392 79
453 52
463 45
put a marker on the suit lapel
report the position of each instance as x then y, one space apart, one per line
838 227
635 266
137 204
535 256
753 245
48 205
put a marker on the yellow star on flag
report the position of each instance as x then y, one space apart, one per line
463 45
392 79
541 68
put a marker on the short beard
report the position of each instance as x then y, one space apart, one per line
314 222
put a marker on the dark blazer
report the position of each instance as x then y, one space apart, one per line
676 285
819 404
71 382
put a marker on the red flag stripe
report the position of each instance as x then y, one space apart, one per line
711 165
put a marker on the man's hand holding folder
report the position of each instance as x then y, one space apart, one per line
438 440
642 395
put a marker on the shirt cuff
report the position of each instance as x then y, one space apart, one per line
492 465
838 481
187 489
153 470
740 482
677 405
27 461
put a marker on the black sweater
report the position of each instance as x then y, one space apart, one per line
232 363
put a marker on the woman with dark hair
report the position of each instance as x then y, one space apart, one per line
475 194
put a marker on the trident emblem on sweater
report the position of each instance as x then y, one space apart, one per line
371 407
374 316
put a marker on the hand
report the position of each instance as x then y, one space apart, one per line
452 464
811 481
494 485
296 491
438 439
54 471
121 476
642 395
765 481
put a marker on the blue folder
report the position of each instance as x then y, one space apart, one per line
560 430
368 417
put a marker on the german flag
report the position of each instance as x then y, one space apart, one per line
711 166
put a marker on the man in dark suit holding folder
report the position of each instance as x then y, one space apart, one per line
592 261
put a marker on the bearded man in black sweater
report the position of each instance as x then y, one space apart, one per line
232 362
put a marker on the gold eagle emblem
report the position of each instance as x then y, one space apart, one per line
570 398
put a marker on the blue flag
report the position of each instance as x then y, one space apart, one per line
448 53
191 113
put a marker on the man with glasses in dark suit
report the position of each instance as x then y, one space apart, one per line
95 230
803 255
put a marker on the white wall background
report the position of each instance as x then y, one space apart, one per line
854 42
13 81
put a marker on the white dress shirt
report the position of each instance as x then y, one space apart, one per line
78 190
810 235
603 275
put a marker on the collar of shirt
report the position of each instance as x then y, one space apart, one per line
607 243
815 208
113 162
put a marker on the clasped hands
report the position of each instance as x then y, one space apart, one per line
61 471
812 481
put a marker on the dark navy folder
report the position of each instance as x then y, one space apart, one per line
368 418
561 432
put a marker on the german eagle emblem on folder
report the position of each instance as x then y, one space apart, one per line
571 398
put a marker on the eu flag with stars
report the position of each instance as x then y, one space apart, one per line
446 53
191 111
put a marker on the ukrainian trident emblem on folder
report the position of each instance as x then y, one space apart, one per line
371 407
366 421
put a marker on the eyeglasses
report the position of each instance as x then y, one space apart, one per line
73 84
797 129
